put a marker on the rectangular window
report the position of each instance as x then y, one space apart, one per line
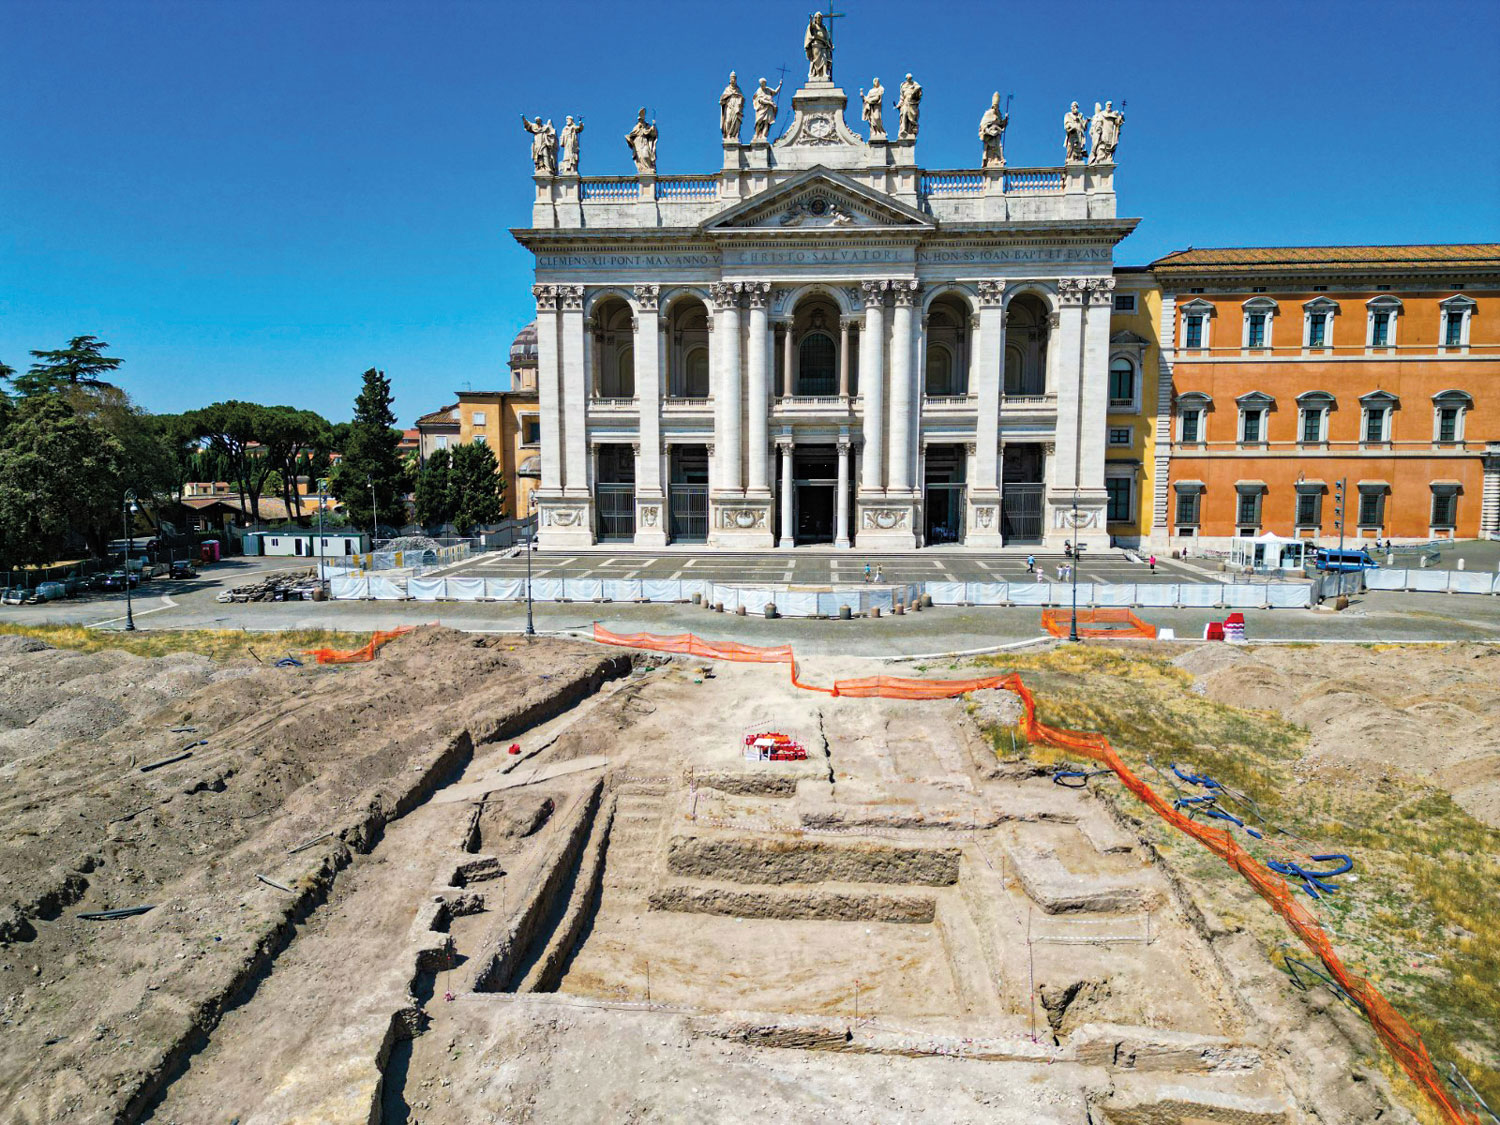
1309 509
1119 489
1253 421
1121 383
1125 302
1380 330
1447 427
478 418
1187 508
1317 330
1375 424
1371 509
1312 426
1453 329
531 431
1119 435
1444 506
1256 335
480 439
1248 510
1194 334
1191 420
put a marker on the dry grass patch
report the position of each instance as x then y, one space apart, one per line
217 644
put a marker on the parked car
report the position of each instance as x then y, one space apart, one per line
182 569
1328 558
116 579
51 591
15 595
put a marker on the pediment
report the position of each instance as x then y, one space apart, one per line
818 199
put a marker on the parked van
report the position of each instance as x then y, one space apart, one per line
1329 558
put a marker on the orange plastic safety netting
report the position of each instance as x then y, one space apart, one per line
358 655
1399 1037
1104 622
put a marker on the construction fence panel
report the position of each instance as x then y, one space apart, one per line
1289 597
622 589
464 589
883 600
1246 595
1115 594
661 589
755 600
387 589
1200 594
1428 581
1022 593
427 589
691 586
1470 582
1157 596
546 589
498 589
946 593
797 603
1061 593
988 593
1385 580
348 588
583 589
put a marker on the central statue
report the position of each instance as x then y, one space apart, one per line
818 43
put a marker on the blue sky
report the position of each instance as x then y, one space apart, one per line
259 200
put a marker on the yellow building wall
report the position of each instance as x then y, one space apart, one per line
501 428
1144 322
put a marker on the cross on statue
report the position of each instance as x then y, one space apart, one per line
831 14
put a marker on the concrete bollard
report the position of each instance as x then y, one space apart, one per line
926 601
845 613
698 599
916 606
874 611
1390 558
900 610
1460 564
739 611
718 607
770 609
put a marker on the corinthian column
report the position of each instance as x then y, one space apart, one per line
872 384
759 384
575 393
989 386
549 393
841 497
898 479
650 528
726 298
786 493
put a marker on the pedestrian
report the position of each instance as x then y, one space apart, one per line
1152 561
1041 577
1030 564
868 575
879 574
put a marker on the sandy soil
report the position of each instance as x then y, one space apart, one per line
1428 711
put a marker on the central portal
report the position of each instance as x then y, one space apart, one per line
814 481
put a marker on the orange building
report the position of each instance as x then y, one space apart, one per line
1293 369
509 422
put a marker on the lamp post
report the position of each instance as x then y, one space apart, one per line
128 510
530 539
1073 636
374 513
322 488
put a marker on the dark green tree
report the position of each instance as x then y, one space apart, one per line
61 479
234 429
371 461
81 364
434 500
477 486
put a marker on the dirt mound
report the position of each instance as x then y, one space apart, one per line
11 643
1203 660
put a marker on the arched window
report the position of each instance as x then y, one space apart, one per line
696 382
817 368
1013 365
1121 383
624 373
939 371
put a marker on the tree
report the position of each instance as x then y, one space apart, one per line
370 458
434 499
60 478
81 364
232 428
477 485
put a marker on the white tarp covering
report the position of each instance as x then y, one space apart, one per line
691 586
990 593
1156 595
622 589
797 603
884 600
1289 596
1470 582
755 600
1385 580
1432 581
1061 593
946 593
342 588
661 589
546 589
1199 594
1116 595
386 589
427 589
583 589
1244 595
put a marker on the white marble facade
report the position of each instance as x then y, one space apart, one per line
824 342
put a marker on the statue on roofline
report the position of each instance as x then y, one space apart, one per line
731 109
909 104
765 112
1075 143
818 45
1106 125
570 131
873 102
642 142
543 145
992 134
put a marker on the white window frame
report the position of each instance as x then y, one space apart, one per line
1376 400
1258 306
1132 405
1180 489
1194 401
481 439
1309 402
1196 307
1451 399
1129 432
1388 303
478 418
1262 402
1463 306
530 418
1319 306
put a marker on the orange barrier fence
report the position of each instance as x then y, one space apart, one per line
361 654
1399 1037
1058 622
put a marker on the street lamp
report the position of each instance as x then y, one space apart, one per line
530 539
128 510
1073 636
374 513
322 488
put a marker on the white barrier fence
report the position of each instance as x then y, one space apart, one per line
811 603
1433 581
414 562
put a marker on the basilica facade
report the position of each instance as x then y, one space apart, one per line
821 341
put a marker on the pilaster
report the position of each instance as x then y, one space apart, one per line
758 398
650 524
1075 491
982 525
575 391
903 398
872 386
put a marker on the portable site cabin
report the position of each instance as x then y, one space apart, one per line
305 544
1267 551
